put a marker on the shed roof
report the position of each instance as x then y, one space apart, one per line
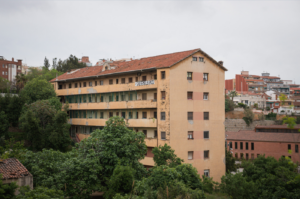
13 168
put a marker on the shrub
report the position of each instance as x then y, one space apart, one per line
268 108
249 115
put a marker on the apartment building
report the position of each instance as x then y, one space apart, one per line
275 140
250 99
176 98
10 69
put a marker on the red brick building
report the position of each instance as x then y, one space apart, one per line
275 140
9 69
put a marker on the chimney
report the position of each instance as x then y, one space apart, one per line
221 63
12 59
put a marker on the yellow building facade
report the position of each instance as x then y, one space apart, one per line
177 99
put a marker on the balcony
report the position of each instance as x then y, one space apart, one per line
147 161
114 105
151 142
144 85
101 122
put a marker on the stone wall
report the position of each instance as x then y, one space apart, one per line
234 125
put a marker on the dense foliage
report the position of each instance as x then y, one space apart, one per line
229 105
230 162
39 193
4 124
271 116
37 89
45 125
12 106
7 190
249 116
164 155
70 63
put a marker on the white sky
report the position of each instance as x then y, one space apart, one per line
251 35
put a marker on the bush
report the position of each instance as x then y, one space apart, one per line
268 108
39 193
7 191
249 115
229 105
241 105
271 116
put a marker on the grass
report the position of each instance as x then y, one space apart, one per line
217 196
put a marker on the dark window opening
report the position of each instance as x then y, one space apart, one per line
130 80
189 95
163 135
163 95
144 115
117 81
144 96
235 145
162 116
206 134
190 135
206 154
189 75
123 80
241 145
111 81
190 116
163 74
144 78
206 115
194 58
252 146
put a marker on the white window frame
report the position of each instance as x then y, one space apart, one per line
190 155
205 96
206 173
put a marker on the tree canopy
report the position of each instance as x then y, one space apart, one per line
70 63
164 155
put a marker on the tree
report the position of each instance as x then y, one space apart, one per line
164 155
4 125
20 81
39 193
5 85
229 105
70 63
232 94
37 89
230 162
46 63
249 116
282 98
54 64
7 191
12 149
45 126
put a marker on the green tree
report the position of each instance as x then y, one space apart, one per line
4 125
249 116
46 63
232 94
45 126
70 63
39 193
12 149
229 105
37 89
282 98
5 85
164 155
230 162
121 181
20 81
7 191
54 63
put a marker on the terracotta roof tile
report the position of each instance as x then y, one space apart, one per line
160 61
264 136
12 168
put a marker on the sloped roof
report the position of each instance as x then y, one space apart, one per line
270 77
263 136
160 61
12 168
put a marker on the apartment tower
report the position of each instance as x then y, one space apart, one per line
176 98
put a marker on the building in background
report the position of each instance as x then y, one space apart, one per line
10 69
274 140
175 99
250 99
86 60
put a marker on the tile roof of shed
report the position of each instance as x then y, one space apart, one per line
263 136
13 168
160 61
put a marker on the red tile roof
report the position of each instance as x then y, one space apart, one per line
263 136
270 77
12 168
254 80
160 61
294 89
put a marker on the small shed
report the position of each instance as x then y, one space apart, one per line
13 170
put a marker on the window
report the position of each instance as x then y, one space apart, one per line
205 96
144 96
190 155
201 59
95 83
70 85
155 134
206 134
117 81
90 83
155 114
144 78
162 116
206 173
247 156
5 73
252 146
206 154
163 74
155 96
205 76
246 145
163 95
155 76
289 147
190 135
163 135
194 58
276 104
230 145
101 115
189 76
84 84
242 155
189 95
206 115
137 115
123 114
236 145
258 155
296 148
136 79
130 80
144 115
101 82
123 80
117 113
190 115
145 132
252 156
75 85
2 72
241 145
111 81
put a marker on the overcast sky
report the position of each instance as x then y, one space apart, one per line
247 35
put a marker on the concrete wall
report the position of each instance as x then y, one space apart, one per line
235 125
